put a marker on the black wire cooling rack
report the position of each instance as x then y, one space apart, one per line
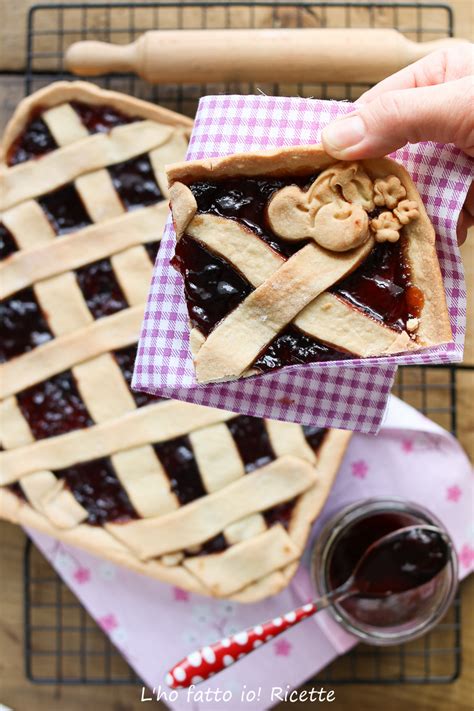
62 642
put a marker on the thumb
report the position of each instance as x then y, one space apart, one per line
440 113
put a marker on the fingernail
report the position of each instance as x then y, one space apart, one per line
344 133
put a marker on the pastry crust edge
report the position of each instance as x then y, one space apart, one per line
99 542
64 91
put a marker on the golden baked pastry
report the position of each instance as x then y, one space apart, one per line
289 257
197 497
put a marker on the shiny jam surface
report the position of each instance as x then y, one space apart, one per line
97 488
125 358
252 441
280 514
99 118
217 544
7 242
212 287
135 182
65 210
246 201
22 323
353 542
100 288
380 286
177 457
346 552
293 347
35 141
314 436
17 490
406 560
54 407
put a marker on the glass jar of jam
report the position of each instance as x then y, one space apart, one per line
393 619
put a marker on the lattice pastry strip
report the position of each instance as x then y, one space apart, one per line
205 518
40 487
100 376
227 501
320 261
133 268
61 453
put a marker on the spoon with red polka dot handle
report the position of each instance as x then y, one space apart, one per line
399 561
206 662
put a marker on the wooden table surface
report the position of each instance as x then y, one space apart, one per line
19 694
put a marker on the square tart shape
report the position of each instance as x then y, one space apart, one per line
266 223
99 472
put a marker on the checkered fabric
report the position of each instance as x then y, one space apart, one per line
349 394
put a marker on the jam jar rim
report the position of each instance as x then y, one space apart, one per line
319 559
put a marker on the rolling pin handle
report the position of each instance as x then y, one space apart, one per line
91 58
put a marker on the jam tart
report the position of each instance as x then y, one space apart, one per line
289 257
197 497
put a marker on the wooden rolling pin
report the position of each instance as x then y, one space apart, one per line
310 55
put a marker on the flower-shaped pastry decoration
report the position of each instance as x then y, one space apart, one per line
333 211
406 211
386 227
388 192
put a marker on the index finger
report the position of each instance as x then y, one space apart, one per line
435 68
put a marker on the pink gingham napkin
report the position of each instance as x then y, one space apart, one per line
349 394
154 625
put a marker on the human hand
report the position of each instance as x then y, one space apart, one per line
430 100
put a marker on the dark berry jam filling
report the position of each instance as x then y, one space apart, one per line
35 141
314 436
246 201
346 552
97 488
99 118
65 210
217 544
7 242
23 326
252 441
17 490
212 286
179 463
152 250
54 407
135 182
354 541
101 289
125 358
382 288
280 514
293 347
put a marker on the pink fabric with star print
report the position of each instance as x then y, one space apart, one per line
154 625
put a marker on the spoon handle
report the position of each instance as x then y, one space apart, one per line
204 663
